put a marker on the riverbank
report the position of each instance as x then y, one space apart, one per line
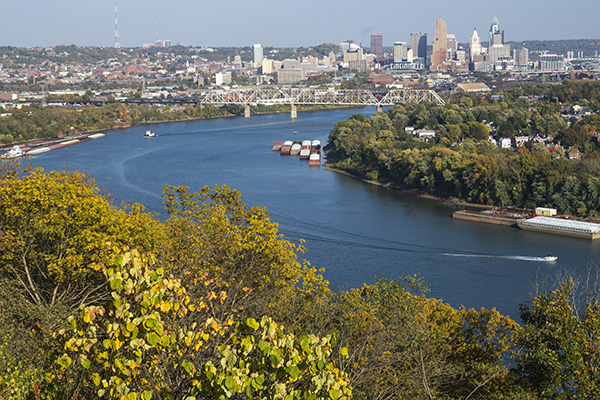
507 216
451 201
128 124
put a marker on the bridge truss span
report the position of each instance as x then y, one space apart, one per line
304 96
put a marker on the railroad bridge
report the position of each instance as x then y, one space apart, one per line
302 96
293 97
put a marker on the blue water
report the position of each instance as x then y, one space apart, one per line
356 231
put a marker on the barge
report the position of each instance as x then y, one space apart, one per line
305 150
277 146
562 226
40 147
285 149
296 147
315 160
498 216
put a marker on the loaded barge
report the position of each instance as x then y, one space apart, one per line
499 216
542 220
560 226
40 147
305 150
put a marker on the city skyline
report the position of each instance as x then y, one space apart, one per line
33 23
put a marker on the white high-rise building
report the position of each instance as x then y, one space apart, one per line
494 31
475 44
497 50
267 66
400 51
258 53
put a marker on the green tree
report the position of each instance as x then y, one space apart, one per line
145 343
55 226
559 350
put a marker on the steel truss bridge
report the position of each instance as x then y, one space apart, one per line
300 96
288 96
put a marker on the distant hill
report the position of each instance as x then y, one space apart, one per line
590 47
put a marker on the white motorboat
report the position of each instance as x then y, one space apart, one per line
550 258
149 133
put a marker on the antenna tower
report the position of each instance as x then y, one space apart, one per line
117 41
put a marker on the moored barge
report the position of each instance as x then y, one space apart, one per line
305 150
285 149
314 160
277 146
562 226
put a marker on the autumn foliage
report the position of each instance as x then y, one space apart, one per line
99 301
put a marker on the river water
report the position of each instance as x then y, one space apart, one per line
356 231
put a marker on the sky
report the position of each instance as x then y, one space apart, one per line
286 23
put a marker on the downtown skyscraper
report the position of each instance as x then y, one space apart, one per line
440 44
377 44
418 44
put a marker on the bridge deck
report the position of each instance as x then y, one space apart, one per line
296 96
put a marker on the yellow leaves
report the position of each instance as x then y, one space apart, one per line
67 230
222 296
86 317
165 307
213 324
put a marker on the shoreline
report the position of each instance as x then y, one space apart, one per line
487 213
37 141
450 201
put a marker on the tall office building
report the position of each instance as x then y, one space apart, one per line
418 44
451 45
497 50
377 44
439 44
258 53
496 36
521 57
475 44
347 45
400 52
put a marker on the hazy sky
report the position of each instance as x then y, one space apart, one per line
285 23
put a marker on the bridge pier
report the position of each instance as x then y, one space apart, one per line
379 108
246 110
293 112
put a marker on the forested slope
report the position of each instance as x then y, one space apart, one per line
109 302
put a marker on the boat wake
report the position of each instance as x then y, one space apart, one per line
364 241
519 258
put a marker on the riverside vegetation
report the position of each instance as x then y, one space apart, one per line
99 301
37 122
462 163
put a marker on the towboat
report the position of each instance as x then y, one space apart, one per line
315 147
149 133
15 152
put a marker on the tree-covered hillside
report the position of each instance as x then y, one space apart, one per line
99 301
461 161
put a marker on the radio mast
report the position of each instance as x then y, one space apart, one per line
117 41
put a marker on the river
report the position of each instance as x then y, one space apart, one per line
358 232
